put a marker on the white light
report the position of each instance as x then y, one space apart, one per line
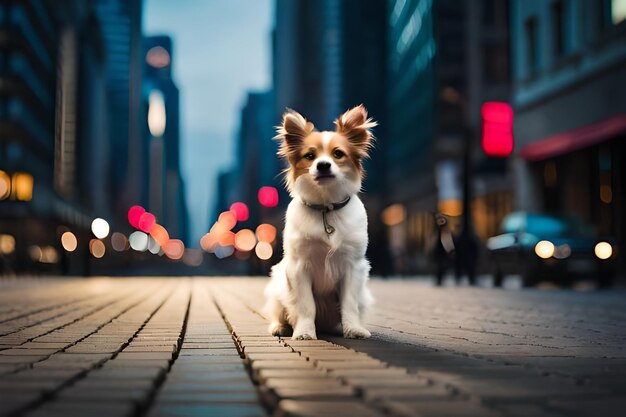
544 249
138 241
153 246
100 228
603 250
156 114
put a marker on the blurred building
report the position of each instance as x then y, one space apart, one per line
54 154
570 109
329 56
162 192
445 59
120 23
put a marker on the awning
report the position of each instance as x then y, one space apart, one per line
575 139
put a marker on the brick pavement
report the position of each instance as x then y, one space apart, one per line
195 347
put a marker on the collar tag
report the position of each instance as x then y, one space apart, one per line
324 209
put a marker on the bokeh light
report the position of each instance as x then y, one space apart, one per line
227 220
208 242
264 250
5 185
134 213
119 242
603 250
174 249
160 234
226 238
7 244
240 210
97 248
100 228
245 240
544 249
153 246
268 196
69 241
223 251
266 233
138 241
146 222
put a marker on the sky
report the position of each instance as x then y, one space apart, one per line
221 50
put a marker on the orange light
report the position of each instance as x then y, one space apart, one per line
266 233
97 248
160 235
245 240
208 242
393 215
264 250
69 241
227 220
22 186
174 249
5 185
226 238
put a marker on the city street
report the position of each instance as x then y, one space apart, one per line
199 347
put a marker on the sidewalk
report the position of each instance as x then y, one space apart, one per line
199 347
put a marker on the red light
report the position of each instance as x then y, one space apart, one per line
147 222
134 213
497 139
268 196
240 210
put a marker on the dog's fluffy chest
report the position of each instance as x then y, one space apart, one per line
326 256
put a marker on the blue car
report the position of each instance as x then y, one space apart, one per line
544 247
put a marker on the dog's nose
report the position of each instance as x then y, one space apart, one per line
323 166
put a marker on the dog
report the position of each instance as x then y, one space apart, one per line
320 284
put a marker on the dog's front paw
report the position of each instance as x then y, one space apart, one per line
356 332
304 336
304 333
279 329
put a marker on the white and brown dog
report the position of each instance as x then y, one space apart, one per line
321 281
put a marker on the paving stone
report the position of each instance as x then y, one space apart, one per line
139 356
447 408
302 408
166 409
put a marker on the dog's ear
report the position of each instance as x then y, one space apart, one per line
291 132
355 126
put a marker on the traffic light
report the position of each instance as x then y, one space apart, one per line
497 139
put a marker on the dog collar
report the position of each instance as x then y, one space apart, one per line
325 208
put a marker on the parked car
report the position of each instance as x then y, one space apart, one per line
545 247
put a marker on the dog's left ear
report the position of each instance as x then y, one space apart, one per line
355 126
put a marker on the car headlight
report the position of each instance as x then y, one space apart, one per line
603 250
544 249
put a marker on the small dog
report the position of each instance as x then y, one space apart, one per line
321 281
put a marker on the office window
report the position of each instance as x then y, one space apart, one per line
558 28
532 48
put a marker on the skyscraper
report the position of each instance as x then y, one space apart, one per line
162 181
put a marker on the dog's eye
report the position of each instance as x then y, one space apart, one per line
338 154
309 156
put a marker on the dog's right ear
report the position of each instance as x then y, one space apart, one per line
291 133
